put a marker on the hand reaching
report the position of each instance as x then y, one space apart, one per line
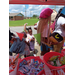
25 24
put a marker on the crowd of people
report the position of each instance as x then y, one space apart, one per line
52 35
24 43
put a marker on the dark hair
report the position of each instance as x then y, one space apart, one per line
25 35
29 28
60 14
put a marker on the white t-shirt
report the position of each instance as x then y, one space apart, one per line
29 37
59 29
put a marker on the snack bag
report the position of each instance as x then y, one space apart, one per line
13 61
62 60
53 58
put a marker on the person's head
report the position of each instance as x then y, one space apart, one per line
29 30
45 18
24 35
45 13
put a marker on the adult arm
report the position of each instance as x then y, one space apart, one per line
13 39
51 30
63 26
35 26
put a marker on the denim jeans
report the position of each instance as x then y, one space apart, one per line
18 46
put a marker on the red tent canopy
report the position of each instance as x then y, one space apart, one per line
39 2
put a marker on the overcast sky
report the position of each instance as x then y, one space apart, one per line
30 9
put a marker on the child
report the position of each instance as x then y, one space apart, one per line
30 38
20 45
26 52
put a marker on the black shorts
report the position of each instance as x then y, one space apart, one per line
57 36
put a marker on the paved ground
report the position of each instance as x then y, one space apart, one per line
20 29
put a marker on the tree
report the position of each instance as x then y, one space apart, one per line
35 15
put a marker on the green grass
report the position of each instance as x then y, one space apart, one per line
22 22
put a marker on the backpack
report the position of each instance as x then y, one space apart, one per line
18 46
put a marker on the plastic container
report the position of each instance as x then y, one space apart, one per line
28 58
63 51
42 73
53 68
